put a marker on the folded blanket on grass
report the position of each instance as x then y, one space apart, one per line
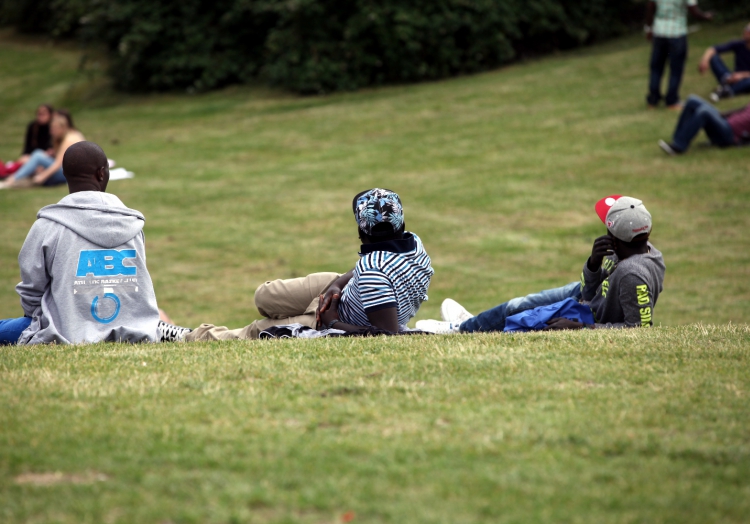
300 331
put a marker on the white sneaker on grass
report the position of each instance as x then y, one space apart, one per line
437 327
171 333
452 311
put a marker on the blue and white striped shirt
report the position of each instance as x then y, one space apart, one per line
394 273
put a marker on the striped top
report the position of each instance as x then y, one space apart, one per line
394 273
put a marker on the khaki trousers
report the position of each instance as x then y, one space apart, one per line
291 301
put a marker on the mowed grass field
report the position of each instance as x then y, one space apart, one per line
499 173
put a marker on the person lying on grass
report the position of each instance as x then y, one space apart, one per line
384 290
621 280
723 129
83 265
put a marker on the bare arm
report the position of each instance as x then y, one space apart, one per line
385 319
700 15
70 139
705 62
650 13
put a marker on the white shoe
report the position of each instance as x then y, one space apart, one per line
172 333
437 327
452 311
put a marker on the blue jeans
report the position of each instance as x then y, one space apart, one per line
699 114
494 319
676 50
722 72
11 329
40 159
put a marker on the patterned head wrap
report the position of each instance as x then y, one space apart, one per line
378 206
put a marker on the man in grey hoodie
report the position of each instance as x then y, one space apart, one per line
83 265
620 283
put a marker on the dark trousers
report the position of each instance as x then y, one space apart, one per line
676 50
699 114
722 72
494 319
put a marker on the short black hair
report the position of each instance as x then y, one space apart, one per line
82 160
638 242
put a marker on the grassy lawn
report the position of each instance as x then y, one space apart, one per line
499 173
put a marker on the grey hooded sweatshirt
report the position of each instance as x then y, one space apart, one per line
623 293
84 276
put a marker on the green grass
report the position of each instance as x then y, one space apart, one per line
576 427
499 173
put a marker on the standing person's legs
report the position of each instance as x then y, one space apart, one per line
719 69
494 319
696 115
659 49
11 329
291 301
678 49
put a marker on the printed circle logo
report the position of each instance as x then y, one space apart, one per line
109 308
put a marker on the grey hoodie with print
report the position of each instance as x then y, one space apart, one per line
84 276
623 293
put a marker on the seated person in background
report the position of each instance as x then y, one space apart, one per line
723 129
37 137
621 280
37 133
384 290
730 83
83 265
42 169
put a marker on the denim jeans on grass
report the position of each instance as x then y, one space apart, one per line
494 319
40 159
11 329
699 114
676 50
722 72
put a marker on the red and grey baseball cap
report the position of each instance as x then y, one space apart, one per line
625 217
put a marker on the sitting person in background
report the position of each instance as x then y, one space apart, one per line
38 133
620 283
723 129
730 83
37 137
83 265
42 169
384 290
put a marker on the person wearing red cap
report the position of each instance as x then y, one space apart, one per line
620 283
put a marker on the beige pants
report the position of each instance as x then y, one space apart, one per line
292 301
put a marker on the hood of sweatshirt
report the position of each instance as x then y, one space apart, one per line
100 218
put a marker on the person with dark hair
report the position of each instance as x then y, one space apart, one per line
731 128
384 290
731 83
83 265
42 169
37 133
666 28
620 283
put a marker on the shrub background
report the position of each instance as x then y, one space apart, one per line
318 46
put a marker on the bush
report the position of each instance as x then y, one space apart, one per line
318 46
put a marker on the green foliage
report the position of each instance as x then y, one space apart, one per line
316 46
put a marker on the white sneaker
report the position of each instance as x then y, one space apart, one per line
452 311
172 333
437 327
